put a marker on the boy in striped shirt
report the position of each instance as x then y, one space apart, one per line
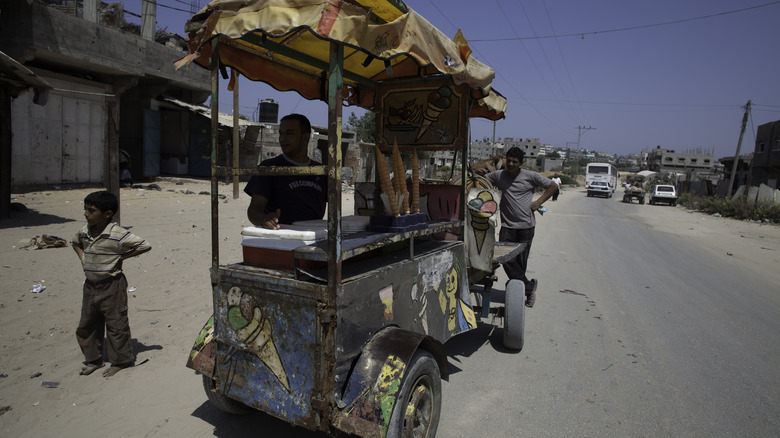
102 245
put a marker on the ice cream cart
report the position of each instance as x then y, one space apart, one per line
339 326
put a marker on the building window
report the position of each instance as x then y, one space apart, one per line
693 160
668 159
777 145
761 147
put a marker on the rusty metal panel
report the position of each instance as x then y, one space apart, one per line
429 295
373 387
266 345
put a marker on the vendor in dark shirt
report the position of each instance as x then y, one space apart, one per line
287 199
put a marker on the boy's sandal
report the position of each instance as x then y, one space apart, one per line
90 368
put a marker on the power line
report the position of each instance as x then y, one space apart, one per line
155 2
500 75
623 29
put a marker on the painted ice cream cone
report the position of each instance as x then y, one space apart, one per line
258 337
431 115
438 101
481 209
386 295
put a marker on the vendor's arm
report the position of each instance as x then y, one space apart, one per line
256 213
545 196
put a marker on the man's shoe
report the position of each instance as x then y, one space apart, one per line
530 294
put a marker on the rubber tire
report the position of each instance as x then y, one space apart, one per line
222 402
514 315
421 388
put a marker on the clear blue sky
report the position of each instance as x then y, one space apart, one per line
664 72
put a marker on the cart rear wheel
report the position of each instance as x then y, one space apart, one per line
220 401
418 406
514 315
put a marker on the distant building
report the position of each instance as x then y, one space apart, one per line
550 164
665 160
481 150
531 146
632 159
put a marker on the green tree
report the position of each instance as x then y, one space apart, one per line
364 126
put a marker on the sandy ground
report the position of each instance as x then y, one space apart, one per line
170 299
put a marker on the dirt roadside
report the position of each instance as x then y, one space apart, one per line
169 302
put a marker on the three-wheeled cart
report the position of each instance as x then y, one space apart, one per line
344 334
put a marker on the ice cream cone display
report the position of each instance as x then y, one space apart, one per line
481 209
399 179
415 183
384 181
438 101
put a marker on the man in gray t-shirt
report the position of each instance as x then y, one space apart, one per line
517 212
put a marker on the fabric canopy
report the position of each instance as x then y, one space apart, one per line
287 44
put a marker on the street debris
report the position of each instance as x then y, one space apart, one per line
43 242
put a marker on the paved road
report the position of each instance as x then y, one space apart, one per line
636 333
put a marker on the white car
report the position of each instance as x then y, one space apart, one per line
599 188
664 193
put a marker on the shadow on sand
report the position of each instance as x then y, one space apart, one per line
31 218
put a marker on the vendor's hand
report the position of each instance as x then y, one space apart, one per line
535 205
271 220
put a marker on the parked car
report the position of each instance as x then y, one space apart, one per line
664 193
599 188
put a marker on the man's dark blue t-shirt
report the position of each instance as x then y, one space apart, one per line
299 197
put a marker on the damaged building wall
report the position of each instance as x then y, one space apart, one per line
63 141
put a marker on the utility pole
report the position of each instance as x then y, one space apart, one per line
493 143
739 146
579 133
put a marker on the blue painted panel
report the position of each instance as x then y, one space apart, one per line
265 356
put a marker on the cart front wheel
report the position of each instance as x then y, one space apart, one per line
514 315
220 401
418 406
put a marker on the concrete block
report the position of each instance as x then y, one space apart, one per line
752 194
740 191
767 194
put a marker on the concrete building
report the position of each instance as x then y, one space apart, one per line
665 160
481 150
550 164
766 157
531 146
106 84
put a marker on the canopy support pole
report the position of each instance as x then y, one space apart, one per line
214 64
